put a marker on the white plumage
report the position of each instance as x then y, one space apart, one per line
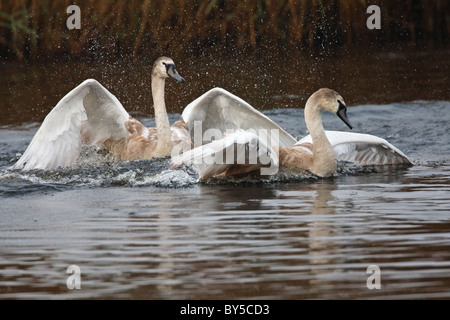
221 110
242 148
88 111
364 149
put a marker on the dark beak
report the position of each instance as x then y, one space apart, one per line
342 113
172 71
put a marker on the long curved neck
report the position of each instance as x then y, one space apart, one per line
164 145
324 158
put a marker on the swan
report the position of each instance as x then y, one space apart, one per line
90 114
318 152
318 156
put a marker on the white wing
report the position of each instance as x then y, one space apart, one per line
241 151
362 149
220 110
89 112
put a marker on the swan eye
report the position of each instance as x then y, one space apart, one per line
340 103
167 66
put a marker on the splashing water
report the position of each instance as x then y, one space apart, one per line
98 168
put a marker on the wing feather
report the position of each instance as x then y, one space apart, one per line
242 151
219 109
89 112
363 149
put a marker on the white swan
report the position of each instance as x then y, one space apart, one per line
91 114
317 152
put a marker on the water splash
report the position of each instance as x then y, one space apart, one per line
97 168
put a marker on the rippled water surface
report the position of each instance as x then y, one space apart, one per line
141 231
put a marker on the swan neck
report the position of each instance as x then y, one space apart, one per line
324 158
313 119
161 118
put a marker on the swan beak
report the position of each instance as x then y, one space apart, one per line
342 114
172 71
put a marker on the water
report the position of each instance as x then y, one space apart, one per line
138 230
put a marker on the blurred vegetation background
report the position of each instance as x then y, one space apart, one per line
36 29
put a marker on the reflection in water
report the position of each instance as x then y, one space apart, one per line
166 264
322 248
321 251
286 241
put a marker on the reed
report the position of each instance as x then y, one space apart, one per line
33 29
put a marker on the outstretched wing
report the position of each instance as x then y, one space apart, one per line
362 149
88 113
236 153
222 111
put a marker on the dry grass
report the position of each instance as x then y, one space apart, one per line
33 29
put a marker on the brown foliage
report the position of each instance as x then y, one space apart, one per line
37 28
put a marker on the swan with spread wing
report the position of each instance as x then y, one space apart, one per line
90 114
317 152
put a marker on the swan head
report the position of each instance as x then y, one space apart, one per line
164 67
330 100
